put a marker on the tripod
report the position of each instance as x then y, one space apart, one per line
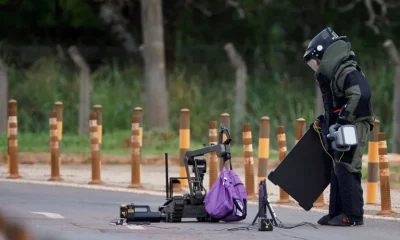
264 205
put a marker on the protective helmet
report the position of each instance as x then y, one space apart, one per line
316 48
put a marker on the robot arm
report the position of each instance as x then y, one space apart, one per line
222 149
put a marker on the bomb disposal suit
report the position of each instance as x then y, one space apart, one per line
346 96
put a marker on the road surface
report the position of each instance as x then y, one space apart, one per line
63 213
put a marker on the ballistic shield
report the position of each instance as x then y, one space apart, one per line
305 171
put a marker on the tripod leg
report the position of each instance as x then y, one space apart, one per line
273 215
255 218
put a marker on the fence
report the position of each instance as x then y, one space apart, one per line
377 153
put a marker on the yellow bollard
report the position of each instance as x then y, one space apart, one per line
373 164
263 148
58 107
184 142
284 196
248 160
213 139
98 109
138 111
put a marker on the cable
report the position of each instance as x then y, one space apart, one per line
317 129
119 221
280 225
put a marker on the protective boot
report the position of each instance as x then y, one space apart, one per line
351 197
343 220
334 201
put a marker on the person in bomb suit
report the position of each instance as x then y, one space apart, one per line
346 96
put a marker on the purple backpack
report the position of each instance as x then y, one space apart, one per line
227 198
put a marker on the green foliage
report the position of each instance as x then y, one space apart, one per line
119 89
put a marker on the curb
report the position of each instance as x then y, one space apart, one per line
158 193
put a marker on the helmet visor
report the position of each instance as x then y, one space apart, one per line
313 64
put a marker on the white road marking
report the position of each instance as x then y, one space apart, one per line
135 227
49 215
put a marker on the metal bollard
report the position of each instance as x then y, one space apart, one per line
284 196
248 161
184 143
98 109
373 164
213 139
225 119
138 111
13 139
386 202
135 157
95 149
54 148
263 148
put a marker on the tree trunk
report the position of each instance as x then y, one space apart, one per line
393 53
241 77
84 90
3 97
154 59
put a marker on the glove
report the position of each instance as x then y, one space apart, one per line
319 120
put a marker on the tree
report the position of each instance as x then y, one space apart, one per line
394 55
154 59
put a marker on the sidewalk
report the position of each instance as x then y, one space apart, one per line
153 178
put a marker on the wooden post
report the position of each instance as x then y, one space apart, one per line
386 202
281 135
13 139
248 160
138 111
263 148
184 142
8 140
213 140
58 106
373 164
54 147
135 157
98 109
95 149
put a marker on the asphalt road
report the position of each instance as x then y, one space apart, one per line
61 213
